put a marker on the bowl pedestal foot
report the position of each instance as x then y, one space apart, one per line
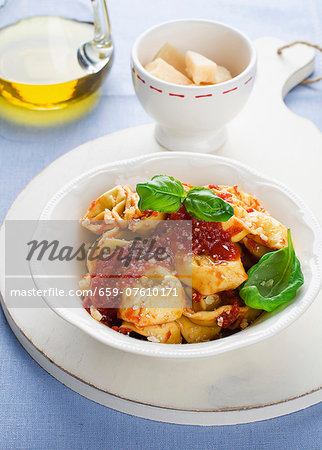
203 142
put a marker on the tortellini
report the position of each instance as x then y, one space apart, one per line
116 210
207 276
207 318
256 249
158 308
166 333
113 205
193 333
251 218
245 317
267 230
210 277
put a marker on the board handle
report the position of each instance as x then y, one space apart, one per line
282 72
317 47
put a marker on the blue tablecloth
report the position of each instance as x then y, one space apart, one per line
38 412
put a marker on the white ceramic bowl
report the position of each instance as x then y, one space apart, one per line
192 118
71 202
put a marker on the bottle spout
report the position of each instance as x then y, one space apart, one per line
97 53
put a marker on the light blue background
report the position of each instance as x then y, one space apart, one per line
36 411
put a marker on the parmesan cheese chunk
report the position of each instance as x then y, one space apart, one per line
96 314
173 57
200 69
222 74
162 70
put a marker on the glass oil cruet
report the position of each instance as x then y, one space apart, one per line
53 53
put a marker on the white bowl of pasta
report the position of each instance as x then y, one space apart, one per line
238 295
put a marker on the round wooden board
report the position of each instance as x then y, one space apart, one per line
241 386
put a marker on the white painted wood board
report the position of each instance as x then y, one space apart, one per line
267 136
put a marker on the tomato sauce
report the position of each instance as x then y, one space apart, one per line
196 296
209 238
230 297
228 318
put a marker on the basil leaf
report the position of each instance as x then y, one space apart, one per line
162 193
202 203
274 280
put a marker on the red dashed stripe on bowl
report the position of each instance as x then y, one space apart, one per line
156 89
205 95
230 90
181 95
141 79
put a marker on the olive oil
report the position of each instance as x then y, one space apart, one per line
39 67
